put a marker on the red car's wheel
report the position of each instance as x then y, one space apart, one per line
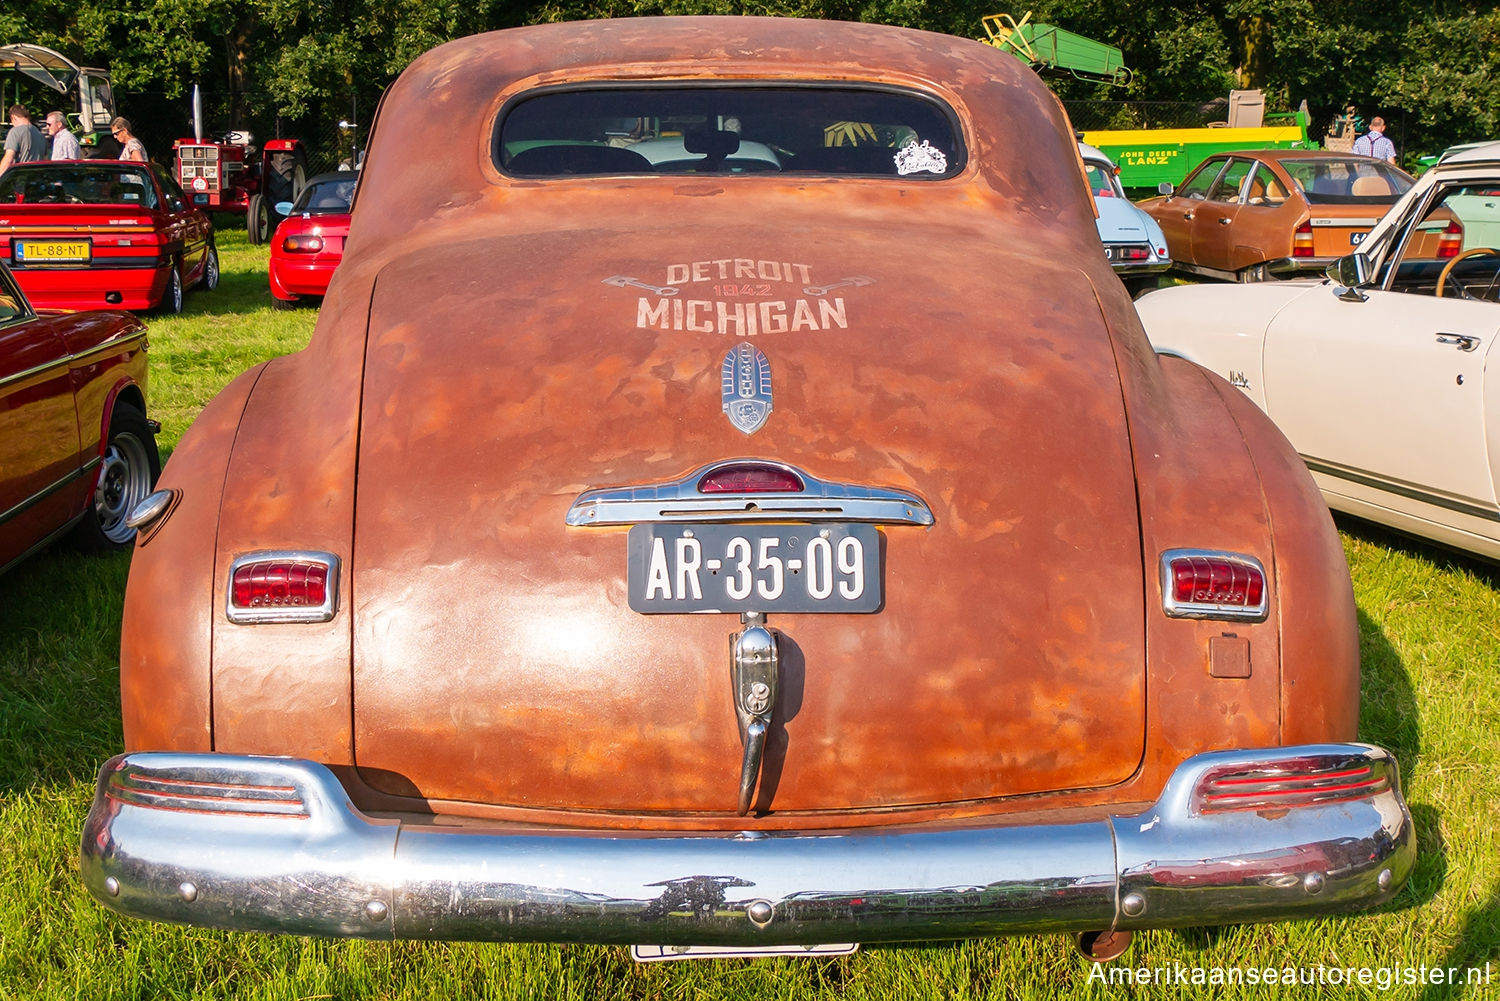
130 467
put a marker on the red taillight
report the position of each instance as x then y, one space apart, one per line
750 478
1302 241
283 587
1296 783
302 243
1202 584
1135 253
1451 241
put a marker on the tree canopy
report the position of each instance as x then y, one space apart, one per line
1426 67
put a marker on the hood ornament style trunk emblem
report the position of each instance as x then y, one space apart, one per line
746 376
754 667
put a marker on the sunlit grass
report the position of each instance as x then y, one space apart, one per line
1430 629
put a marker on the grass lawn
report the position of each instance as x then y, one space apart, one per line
1430 626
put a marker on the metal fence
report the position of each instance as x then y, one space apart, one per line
1090 115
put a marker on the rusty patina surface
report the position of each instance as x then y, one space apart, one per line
474 371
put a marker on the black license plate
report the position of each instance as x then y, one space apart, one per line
754 568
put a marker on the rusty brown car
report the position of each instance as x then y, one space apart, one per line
1274 213
683 545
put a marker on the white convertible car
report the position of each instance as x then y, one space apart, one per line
1378 374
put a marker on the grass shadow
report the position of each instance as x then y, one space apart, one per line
60 666
1473 957
1417 548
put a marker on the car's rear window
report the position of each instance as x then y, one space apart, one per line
78 184
1358 181
331 197
736 129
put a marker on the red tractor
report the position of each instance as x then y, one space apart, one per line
228 173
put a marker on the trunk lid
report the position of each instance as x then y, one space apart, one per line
496 658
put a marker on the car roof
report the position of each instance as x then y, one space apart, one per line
1475 153
484 75
1090 153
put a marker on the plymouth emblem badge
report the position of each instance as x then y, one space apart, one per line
747 387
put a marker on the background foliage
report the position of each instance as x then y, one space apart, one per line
1426 66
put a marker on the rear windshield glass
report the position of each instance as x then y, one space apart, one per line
330 196
78 184
1359 181
729 130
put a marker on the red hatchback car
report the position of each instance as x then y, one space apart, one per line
76 450
309 243
89 234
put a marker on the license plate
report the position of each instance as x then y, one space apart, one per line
1355 239
754 568
660 953
52 252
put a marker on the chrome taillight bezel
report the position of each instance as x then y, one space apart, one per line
1208 610
284 613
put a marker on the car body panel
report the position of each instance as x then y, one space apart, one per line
1236 215
837 383
59 378
1384 390
135 221
497 347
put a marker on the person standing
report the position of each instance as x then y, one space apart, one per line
64 143
24 142
1374 143
131 148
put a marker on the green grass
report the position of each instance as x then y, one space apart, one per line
1430 627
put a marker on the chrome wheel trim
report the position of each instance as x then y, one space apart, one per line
174 290
124 481
211 270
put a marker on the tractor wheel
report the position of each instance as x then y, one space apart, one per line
131 466
287 176
258 219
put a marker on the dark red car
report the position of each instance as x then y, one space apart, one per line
76 450
309 243
90 234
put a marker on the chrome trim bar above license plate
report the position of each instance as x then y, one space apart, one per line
680 501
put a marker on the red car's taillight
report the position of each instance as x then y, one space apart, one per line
1451 241
1302 241
283 587
302 243
1204 584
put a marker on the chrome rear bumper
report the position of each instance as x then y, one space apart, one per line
273 844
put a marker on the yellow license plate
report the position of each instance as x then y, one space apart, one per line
53 251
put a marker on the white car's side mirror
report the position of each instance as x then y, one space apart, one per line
1352 271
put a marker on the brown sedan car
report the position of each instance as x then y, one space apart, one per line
1259 214
680 544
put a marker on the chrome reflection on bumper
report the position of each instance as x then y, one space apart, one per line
273 844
